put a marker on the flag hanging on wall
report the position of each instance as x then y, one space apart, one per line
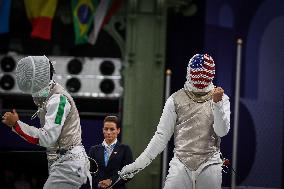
114 6
5 6
103 14
83 16
99 18
40 14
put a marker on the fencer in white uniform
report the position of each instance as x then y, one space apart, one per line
198 115
60 130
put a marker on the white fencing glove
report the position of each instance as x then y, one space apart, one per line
139 164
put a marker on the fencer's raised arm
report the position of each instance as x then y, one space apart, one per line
221 112
57 109
164 131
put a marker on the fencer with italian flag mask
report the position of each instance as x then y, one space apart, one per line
60 131
198 115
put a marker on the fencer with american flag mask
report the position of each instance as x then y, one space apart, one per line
198 115
60 130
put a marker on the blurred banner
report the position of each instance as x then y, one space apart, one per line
5 6
98 21
83 16
90 16
105 11
41 13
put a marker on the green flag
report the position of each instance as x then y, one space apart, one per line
83 15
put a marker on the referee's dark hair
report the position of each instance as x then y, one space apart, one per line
112 118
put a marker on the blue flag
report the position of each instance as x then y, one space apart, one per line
5 6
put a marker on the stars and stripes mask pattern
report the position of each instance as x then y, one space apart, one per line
200 72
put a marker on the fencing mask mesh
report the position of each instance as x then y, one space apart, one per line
33 73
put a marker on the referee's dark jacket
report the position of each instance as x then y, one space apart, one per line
121 156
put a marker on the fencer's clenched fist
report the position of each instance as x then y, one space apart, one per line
10 118
217 94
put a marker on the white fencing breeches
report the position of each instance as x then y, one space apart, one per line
69 173
208 175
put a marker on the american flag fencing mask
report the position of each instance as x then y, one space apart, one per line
200 71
